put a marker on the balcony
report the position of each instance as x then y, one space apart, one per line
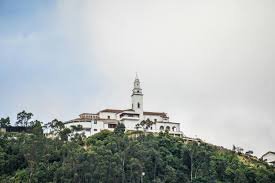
129 116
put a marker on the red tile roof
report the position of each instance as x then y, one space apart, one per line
87 114
162 114
112 110
78 120
155 114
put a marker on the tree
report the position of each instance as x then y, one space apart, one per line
137 127
98 137
237 149
23 118
234 148
77 128
59 130
198 155
146 124
120 129
240 177
4 122
76 136
249 153
37 127
56 126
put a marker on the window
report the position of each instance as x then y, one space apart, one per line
161 128
109 117
87 129
174 128
151 128
95 130
138 105
95 122
111 125
155 120
168 128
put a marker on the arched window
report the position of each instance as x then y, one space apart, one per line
161 128
174 128
138 105
168 128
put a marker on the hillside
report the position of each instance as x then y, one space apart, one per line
119 157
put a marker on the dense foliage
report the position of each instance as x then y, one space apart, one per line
121 157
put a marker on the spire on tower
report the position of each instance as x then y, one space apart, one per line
137 97
137 89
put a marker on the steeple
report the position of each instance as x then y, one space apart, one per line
137 89
137 97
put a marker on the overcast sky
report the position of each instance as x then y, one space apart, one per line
208 64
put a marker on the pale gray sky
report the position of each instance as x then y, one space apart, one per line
209 64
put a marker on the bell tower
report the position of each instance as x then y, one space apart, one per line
137 98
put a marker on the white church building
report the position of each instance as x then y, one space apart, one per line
107 119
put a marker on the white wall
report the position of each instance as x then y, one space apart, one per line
171 125
152 117
104 115
130 124
94 126
135 100
85 125
269 157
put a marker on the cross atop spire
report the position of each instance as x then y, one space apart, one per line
136 76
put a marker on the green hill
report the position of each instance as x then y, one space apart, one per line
118 157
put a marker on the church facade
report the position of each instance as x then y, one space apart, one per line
107 119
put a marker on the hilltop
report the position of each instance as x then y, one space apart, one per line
122 157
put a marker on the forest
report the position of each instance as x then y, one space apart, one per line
118 157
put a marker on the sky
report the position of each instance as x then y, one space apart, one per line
208 63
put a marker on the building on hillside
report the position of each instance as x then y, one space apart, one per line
108 119
269 157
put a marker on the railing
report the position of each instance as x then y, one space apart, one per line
129 117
